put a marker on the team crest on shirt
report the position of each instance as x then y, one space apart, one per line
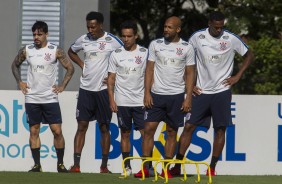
225 37
102 45
138 59
223 45
47 57
179 51
51 47
142 50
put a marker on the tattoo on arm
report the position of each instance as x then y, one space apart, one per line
61 56
19 59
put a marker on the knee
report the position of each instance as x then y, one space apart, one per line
104 129
125 135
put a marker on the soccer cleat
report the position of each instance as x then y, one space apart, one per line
36 168
168 174
139 174
61 168
128 172
74 169
105 170
175 171
213 173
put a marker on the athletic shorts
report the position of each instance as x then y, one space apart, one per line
166 108
49 113
93 105
211 106
127 114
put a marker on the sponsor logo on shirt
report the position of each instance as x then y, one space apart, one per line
201 36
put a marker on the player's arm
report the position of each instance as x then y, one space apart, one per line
149 75
75 58
111 88
189 86
248 58
19 59
61 56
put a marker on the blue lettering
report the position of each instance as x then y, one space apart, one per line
3 150
16 108
230 146
54 151
279 143
279 111
24 150
18 151
136 143
202 143
44 149
6 121
115 152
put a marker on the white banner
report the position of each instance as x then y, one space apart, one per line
253 144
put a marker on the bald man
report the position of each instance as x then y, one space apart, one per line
169 76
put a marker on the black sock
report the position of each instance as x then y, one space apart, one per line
76 158
104 160
60 154
36 155
127 162
214 162
178 157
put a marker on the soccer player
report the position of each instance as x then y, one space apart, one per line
41 90
93 99
215 51
126 82
169 75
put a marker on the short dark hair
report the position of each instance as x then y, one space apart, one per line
217 16
40 25
95 16
129 24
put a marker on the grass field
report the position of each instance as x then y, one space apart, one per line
56 178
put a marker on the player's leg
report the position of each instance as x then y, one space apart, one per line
34 114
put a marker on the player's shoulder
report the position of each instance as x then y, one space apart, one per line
142 49
200 34
111 37
29 46
52 46
228 35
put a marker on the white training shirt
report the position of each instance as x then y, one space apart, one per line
214 58
170 59
129 67
42 73
96 59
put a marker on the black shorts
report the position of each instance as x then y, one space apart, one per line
206 106
49 113
93 105
166 108
125 116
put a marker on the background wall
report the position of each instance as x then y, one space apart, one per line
74 26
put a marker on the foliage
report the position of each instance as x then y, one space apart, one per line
260 21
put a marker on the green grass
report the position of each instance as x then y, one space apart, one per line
83 178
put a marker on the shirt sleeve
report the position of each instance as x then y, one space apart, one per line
239 46
77 45
190 56
112 63
152 52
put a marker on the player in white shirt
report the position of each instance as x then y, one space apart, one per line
93 99
215 50
41 90
126 86
169 75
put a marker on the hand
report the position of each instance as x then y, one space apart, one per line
186 106
230 81
197 90
58 89
23 87
105 81
148 101
113 106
